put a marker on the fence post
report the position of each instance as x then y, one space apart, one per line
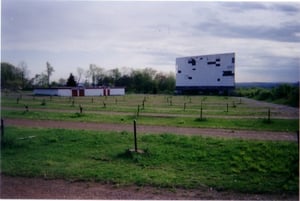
298 140
2 132
80 108
134 129
269 115
138 111
201 113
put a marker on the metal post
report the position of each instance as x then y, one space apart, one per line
201 113
298 139
2 132
80 108
135 142
269 115
138 111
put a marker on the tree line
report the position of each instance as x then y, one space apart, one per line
145 80
286 94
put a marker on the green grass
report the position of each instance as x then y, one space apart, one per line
289 125
154 104
170 160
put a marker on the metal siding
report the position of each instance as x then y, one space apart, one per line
64 92
93 92
117 91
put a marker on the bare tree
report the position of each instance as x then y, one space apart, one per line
24 72
96 73
80 72
50 70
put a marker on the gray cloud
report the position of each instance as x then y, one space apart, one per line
286 33
137 34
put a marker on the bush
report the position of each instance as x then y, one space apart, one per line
283 94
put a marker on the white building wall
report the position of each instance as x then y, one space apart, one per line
64 92
206 71
117 91
93 92
87 92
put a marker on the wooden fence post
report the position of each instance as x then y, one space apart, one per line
201 113
135 141
138 111
2 132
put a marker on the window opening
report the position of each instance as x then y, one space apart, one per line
228 73
192 61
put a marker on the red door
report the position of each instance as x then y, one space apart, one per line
104 92
81 92
74 92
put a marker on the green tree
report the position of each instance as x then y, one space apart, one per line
11 76
71 81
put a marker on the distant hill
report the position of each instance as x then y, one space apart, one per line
263 84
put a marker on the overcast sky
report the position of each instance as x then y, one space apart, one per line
69 34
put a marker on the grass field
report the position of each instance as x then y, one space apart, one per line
170 160
181 111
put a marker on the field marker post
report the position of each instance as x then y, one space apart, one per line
138 111
269 115
201 113
80 108
2 132
134 129
298 139
26 108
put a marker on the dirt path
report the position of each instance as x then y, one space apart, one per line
38 188
243 134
